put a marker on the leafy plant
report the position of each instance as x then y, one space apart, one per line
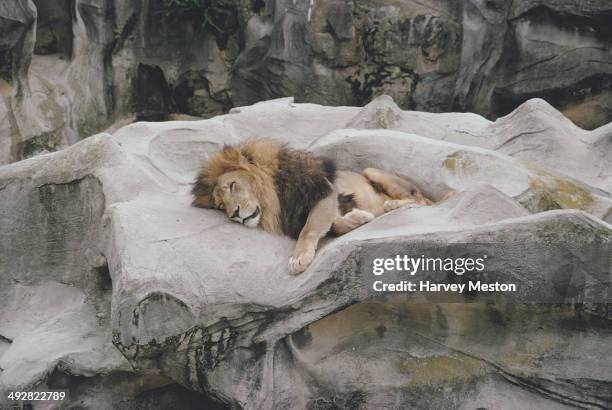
212 12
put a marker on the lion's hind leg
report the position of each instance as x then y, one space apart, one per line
351 220
393 204
400 190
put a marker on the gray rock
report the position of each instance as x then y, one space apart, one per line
535 132
382 112
17 25
135 292
96 63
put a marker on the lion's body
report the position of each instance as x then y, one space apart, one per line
262 183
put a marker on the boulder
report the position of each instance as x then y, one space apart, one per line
535 133
141 299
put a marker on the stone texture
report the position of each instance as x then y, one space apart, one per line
98 62
142 300
17 24
535 132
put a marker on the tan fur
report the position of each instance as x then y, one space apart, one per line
241 179
265 153
5 89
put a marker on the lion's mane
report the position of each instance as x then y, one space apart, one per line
288 183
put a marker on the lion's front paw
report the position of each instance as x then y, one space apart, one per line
300 261
360 216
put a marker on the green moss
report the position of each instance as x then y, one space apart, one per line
439 370
458 162
553 192
577 231
94 153
53 111
40 143
91 120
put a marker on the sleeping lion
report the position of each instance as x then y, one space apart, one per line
262 183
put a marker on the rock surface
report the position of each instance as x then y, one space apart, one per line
93 63
137 296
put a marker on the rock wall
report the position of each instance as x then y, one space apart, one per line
71 68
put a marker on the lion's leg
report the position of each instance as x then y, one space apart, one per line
317 226
392 204
351 220
395 187
392 185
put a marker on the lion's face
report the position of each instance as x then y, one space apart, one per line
234 194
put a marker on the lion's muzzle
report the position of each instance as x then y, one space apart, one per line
250 221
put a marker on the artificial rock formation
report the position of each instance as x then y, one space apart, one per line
73 68
112 286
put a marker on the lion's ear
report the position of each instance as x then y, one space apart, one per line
202 194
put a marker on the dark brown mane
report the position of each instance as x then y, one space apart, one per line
302 180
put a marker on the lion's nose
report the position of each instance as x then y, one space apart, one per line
236 213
